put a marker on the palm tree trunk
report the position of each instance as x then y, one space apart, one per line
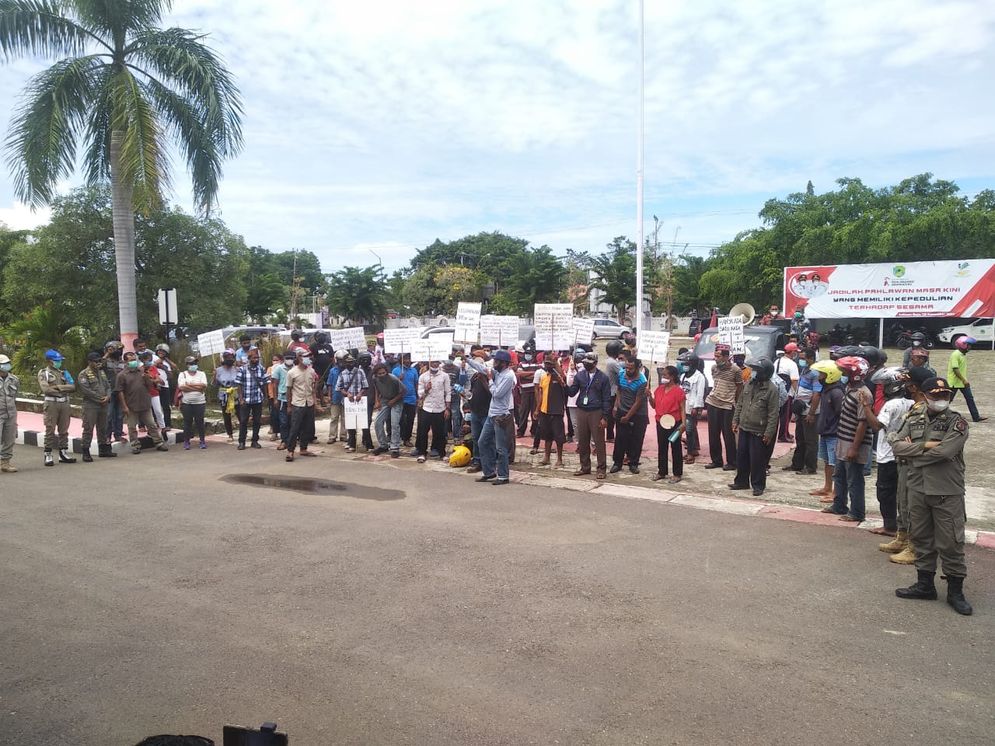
124 246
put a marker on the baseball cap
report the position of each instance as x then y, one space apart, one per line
919 376
502 355
4 359
54 355
936 385
94 357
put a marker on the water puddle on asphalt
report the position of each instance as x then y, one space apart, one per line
312 486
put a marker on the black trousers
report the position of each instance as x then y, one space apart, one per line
245 411
676 452
806 455
525 405
751 461
301 428
887 488
193 416
408 421
166 400
719 430
436 423
610 429
629 440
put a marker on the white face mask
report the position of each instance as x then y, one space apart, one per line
664 381
937 405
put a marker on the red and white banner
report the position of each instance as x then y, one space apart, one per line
873 291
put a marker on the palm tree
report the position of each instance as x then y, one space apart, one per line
120 88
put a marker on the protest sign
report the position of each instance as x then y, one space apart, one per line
731 333
583 331
467 327
652 347
352 338
554 326
397 341
499 331
435 347
357 415
211 343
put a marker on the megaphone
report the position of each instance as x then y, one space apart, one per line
745 310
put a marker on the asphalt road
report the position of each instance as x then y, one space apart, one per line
146 595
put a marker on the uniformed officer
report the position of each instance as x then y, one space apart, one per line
9 386
55 385
96 391
932 439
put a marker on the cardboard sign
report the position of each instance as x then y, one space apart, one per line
467 323
583 331
435 347
554 326
397 341
211 343
352 338
357 416
652 347
731 333
499 331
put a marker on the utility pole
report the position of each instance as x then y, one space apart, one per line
639 180
295 289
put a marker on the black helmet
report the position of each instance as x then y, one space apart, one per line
871 354
579 355
365 358
849 351
917 337
763 367
614 348
894 388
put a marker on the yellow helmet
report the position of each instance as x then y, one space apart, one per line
832 371
460 456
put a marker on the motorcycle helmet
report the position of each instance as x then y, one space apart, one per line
763 368
460 457
365 359
918 338
964 343
162 348
340 355
854 367
830 368
614 348
871 354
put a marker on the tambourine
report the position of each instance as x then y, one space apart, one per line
667 421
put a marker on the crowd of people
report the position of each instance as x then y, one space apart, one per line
849 410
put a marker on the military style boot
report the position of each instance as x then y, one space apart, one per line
955 596
48 459
906 557
65 457
923 588
7 467
104 450
896 545
87 458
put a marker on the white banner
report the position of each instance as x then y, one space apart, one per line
652 347
731 333
467 323
397 341
357 416
211 343
435 347
883 291
583 331
352 338
554 326
499 331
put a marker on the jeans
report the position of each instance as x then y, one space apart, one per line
493 446
848 479
476 425
393 415
629 438
887 489
244 412
193 415
115 420
751 461
969 398
691 434
719 430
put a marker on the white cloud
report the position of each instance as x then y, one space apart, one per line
20 217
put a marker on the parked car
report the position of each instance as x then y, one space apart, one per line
428 331
980 329
609 328
761 341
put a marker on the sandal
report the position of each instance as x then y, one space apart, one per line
674 480
882 531
289 457
850 519
658 477
689 459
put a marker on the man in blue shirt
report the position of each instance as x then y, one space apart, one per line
407 375
804 408
336 417
279 374
496 434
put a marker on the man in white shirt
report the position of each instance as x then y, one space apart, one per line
434 395
888 421
786 368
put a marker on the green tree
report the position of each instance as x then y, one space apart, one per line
614 274
421 295
357 294
120 88
535 276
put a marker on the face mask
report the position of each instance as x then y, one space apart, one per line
665 381
56 364
434 368
589 366
192 368
133 364
937 405
6 367
844 379
289 363
802 364
306 361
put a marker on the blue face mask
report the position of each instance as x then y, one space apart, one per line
844 379
802 363
6 367
56 364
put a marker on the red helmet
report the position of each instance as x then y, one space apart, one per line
854 367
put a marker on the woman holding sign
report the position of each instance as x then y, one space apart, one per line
668 404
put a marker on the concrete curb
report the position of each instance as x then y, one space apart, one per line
36 439
735 506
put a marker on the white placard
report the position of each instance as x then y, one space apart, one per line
211 343
499 331
352 338
731 333
467 323
583 331
554 326
436 347
652 346
396 341
357 416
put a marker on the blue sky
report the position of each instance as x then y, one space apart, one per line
381 125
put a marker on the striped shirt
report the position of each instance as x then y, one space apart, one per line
852 413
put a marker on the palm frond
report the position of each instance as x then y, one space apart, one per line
96 159
178 58
119 18
186 122
144 164
44 132
42 28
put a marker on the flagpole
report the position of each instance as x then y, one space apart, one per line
639 182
